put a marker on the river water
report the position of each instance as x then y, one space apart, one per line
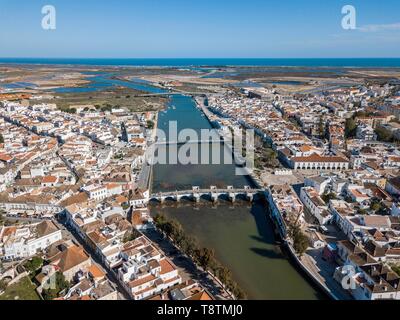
241 234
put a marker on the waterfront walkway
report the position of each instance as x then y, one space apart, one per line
323 272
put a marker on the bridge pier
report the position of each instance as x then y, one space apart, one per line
250 196
196 197
232 197
214 197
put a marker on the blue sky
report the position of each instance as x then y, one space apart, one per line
188 28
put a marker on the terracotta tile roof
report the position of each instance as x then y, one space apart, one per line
70 258
5 157
121 199
166 266
78 198
141 281
96 272
317 158
46 227
49 179
202 295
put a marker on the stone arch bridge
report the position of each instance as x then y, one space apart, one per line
213 192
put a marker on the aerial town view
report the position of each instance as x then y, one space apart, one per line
212 179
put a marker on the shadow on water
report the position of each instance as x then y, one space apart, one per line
267 253
266 236
264 227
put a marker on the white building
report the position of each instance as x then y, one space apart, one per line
313 202
317 162
96 192
24 242
319 183
365 132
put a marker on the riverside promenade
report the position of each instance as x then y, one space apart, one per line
322 276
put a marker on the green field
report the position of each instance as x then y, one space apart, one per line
22 290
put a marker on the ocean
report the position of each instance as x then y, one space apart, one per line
215 62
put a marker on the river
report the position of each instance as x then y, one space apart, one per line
241 234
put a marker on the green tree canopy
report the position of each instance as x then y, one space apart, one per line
33 264
350 128
131 234
384 134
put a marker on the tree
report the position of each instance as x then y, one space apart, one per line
376 205
191 245
362 212
49 294
150 124
240 294
159 220
384 134
321 127
3 285
395 268
205 257
130 235
300 240
33 264
1 218
61 282
223 274
269 157
350 128
328 196
60 285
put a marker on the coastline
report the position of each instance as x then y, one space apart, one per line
386 62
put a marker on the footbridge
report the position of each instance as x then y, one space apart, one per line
213 193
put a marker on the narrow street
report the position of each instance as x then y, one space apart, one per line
111 276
